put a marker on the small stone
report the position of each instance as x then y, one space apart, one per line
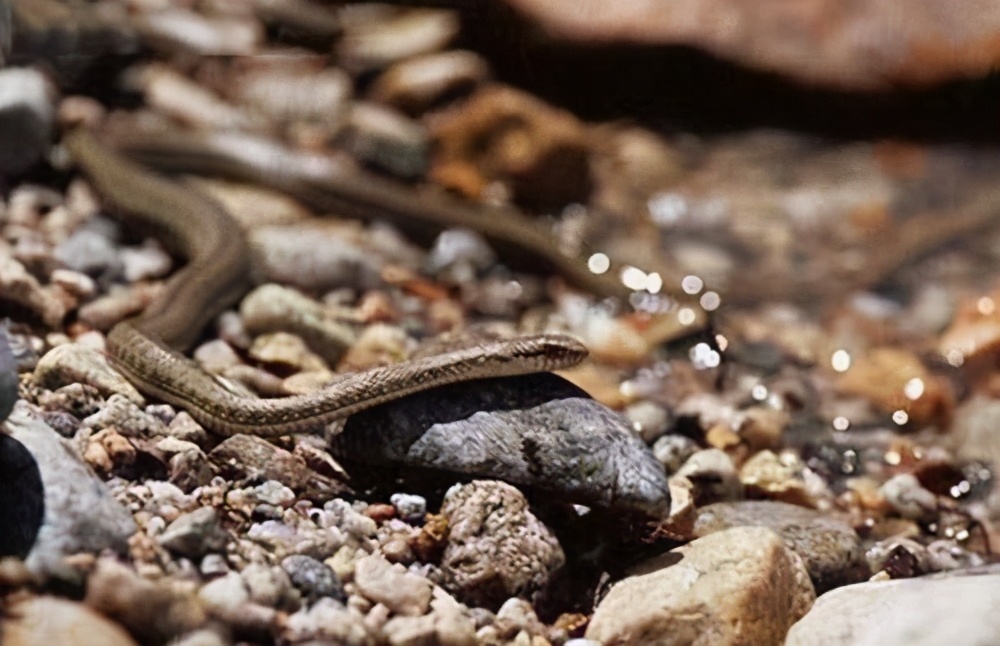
391 585
78 284
899 557
285 351
739 586
122 415
167 610
496 548
73 363
376 39
266 585
829 547
51 620
386 139
313 578
328 621
195 534
712 476
247 457
649 419
673 451
216 356
777 477
17 285
410 508
228 599
904 493
144 262
105 312
417 83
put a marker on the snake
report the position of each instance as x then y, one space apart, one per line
148 349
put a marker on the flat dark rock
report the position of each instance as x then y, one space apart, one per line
535 430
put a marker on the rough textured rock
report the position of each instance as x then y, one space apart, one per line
829 547
859 46
392 586
537 430
252 458
80 514
917 612
496 548
739 586
73 363
50 620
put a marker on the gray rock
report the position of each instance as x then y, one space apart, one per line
739 586
409 507
496 547
195 533
927 611
387 139
829 547
313 578
536 430
80 514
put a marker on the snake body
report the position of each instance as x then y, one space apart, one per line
147 349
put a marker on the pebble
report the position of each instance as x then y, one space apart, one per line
91 249
712 476
51 620
80 513
247 457
328 621
286 352
501 428
496 547
899 557
147 261
120 303
18 286
270 308
674 450
27 117
415 84
227 598
738 586
78 284
376 39
780 477
168 609
195 534
916 612
649 419
908 498
73 363
313 578
268 585
288 95
446 623
174 30
409 507
391 585
829 547
386 139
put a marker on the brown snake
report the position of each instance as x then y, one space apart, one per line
146 348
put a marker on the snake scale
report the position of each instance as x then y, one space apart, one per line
147 349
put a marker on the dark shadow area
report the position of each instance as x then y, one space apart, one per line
677 89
